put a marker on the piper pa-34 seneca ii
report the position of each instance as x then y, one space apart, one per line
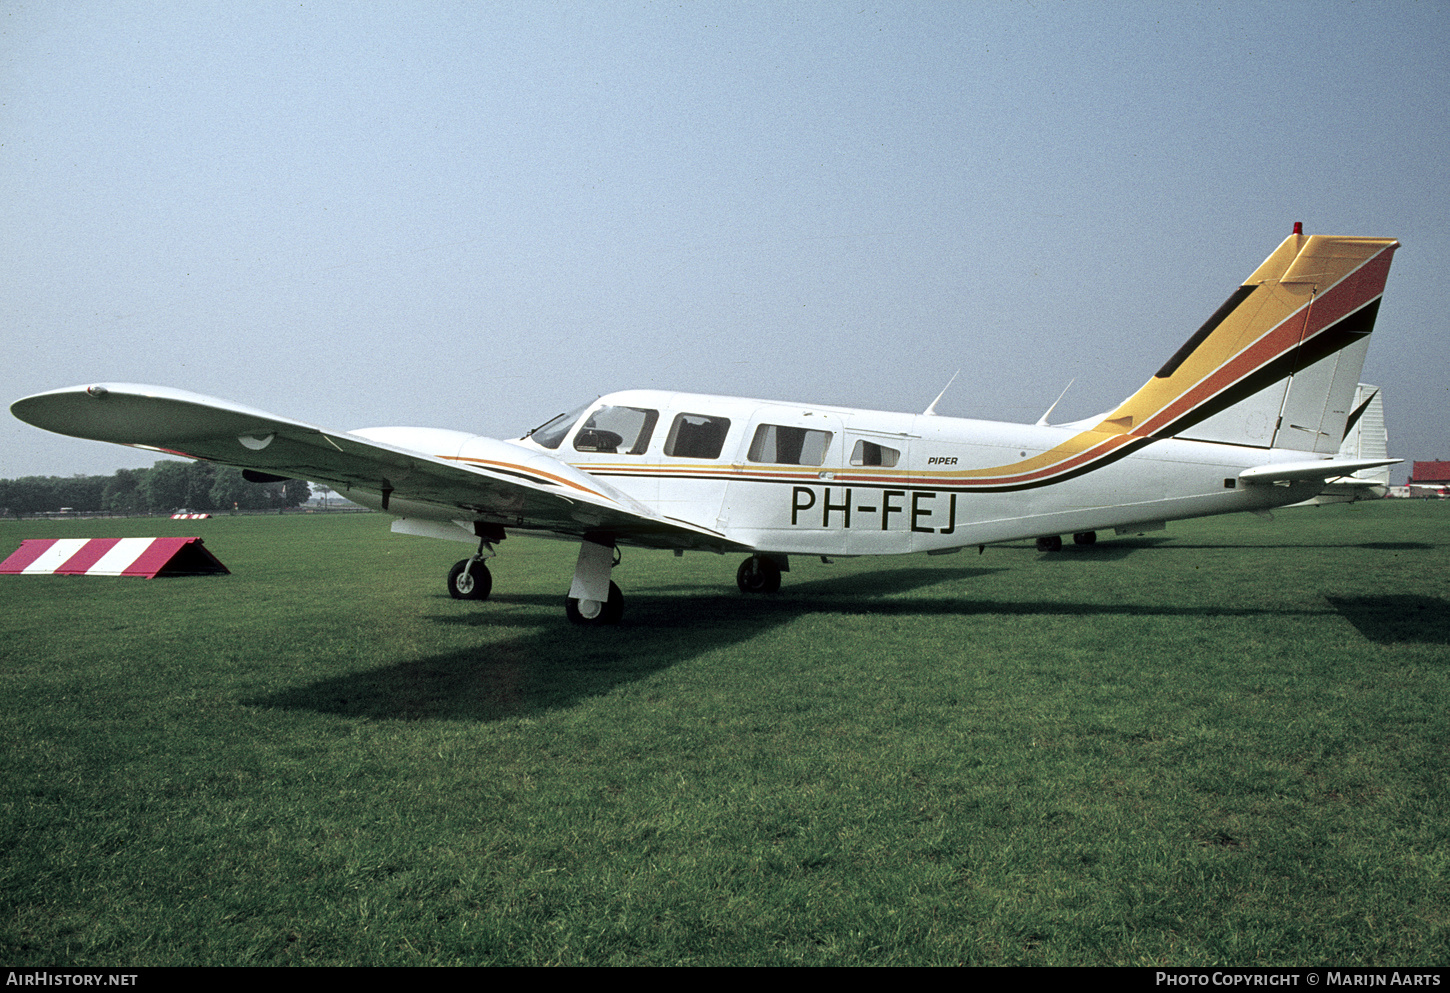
1248 415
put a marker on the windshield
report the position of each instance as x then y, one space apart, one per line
552 431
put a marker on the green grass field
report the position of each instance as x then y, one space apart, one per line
1221 744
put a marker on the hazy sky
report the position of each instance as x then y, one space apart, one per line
478 215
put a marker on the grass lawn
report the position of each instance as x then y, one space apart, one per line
1225 743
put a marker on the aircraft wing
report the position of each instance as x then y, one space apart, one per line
463 476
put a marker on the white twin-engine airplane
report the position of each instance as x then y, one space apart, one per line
1246 416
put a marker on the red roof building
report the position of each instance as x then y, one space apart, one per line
1431 472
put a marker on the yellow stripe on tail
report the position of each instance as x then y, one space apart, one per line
1277 364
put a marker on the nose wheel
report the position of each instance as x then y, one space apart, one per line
470 580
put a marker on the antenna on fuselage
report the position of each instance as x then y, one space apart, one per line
931 410
1042 421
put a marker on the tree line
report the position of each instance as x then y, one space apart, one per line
164 488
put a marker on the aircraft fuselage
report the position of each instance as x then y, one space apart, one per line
839 482
929 500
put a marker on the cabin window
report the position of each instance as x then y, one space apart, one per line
697 436
789 446
617 430
870 453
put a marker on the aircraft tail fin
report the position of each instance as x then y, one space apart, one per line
1365 441
1277 365
1365 434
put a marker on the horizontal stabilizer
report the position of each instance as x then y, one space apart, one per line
1320 469
1354 481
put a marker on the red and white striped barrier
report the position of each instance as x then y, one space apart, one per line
146 558
190 517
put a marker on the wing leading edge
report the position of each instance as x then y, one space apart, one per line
488 480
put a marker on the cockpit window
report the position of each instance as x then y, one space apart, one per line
552 432
617 430
789 446
697 436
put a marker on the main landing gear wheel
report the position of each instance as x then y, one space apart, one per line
758 575
1052 543
470 584
594 612
1085 538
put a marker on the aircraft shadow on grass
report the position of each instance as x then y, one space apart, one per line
1398 618
543 666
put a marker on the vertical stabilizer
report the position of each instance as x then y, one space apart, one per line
1276 366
